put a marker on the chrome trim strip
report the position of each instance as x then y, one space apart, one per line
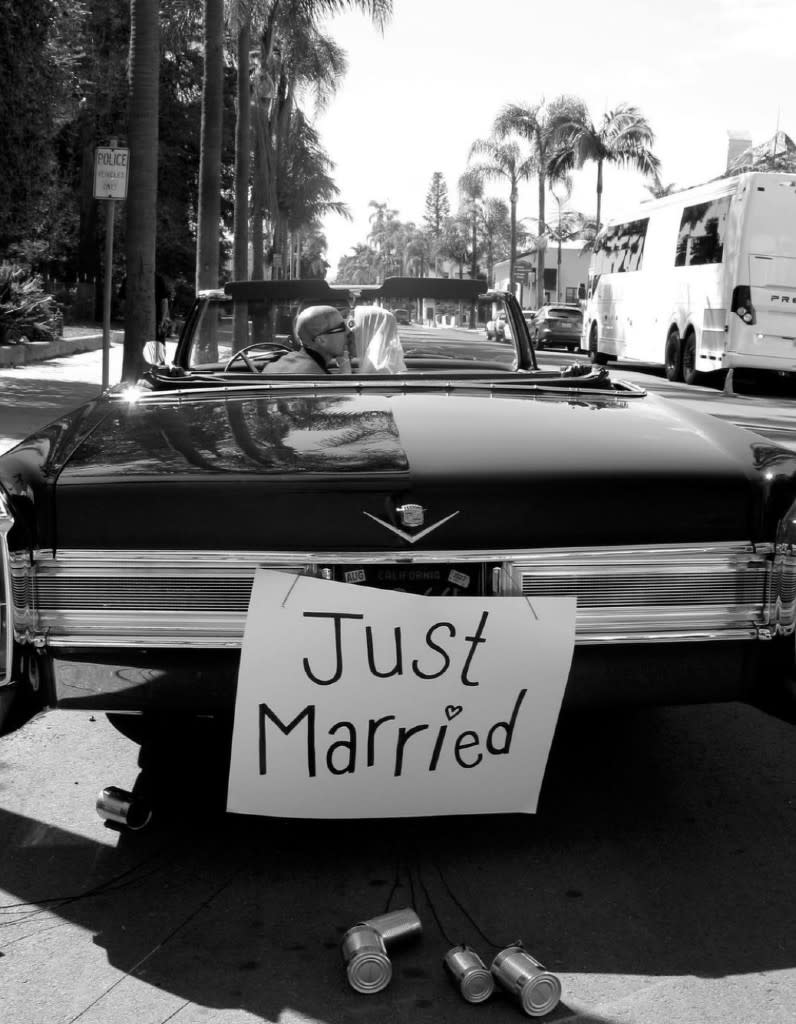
481 380
186 642
6 600
214 616
221 558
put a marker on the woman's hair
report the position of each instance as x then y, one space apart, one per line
376 342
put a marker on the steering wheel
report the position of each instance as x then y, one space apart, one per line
263 346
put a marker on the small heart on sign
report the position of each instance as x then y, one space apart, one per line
452 710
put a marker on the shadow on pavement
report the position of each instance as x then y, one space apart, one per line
28 403
630 867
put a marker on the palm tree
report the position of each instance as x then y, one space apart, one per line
471 189
209 211
495 231
453 241
659 191
241 17
382 222
386 237
306 191
284 27
360 267
533 123
293 56
506 161
419 249
142 191
623 137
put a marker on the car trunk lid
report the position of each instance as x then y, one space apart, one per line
488 467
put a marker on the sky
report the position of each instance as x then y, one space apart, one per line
416 97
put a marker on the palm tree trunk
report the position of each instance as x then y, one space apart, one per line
599 191
259 197
540 253
513 238
142 186
242 164
209 212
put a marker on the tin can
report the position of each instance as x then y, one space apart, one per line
367 965
469 972
396 925
536 988
123 808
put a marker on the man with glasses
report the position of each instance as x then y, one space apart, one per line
324 337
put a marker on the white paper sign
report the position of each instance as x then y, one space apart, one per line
355 702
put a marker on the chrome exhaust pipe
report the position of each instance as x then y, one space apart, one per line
122 808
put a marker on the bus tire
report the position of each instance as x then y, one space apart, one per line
597 357
673 356
690 373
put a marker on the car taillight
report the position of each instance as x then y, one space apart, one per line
6 629
742 303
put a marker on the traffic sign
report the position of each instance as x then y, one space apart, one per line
110 172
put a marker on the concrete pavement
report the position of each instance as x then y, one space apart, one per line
75 339
36 392
656 882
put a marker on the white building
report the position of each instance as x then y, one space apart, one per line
574 274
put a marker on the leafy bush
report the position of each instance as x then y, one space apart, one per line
27 312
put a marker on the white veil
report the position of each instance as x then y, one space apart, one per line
376 342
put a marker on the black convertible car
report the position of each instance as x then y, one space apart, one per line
131 530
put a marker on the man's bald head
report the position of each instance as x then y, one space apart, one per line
323 330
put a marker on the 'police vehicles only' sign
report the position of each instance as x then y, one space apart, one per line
110 172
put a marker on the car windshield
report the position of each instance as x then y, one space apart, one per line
433 328
563 312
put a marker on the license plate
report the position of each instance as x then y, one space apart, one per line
430 579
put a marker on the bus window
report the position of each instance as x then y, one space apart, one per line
620 248
701 236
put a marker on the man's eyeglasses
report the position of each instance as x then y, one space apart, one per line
338 329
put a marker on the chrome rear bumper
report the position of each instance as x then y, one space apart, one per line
193 599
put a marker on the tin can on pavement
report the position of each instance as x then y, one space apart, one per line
396 925
367 965
536 988
470 973
123 808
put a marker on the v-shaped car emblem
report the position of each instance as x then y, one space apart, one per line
412 538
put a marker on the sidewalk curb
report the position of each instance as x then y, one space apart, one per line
39 351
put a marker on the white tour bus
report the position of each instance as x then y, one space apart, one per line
699 281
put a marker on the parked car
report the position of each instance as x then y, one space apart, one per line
402 317
132 529
558 325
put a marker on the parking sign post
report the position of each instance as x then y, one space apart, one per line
110 184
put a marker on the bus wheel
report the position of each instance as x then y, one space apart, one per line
597 357
690 374
673 359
